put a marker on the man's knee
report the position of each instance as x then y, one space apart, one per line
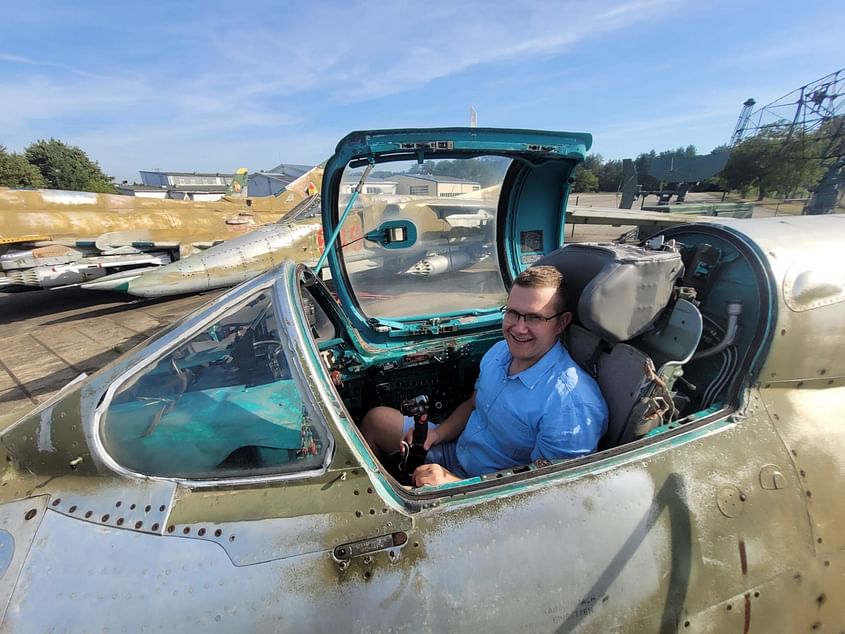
377 418
382 428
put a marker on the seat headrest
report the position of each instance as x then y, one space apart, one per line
616 290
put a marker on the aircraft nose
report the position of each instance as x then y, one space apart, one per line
178 278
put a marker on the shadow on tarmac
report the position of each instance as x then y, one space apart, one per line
32 304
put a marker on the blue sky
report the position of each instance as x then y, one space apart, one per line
211 86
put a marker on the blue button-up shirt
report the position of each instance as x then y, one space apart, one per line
551 410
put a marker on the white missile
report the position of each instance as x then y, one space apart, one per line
442 263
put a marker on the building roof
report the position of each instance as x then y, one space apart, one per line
169 173
279 178
291 170
437 178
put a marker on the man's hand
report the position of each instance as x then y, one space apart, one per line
432 475
432 438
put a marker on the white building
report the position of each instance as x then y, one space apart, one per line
371 186
179 185
434 186
211 186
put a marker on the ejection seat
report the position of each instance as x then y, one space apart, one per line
629 330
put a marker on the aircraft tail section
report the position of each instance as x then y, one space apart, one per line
238 186
629 184
310 181
304 187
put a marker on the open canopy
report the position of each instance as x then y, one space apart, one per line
410 213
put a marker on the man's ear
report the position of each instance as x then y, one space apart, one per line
563 322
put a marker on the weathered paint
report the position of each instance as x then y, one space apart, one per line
76 215
88 225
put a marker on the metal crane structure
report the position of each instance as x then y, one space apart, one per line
812 124
742 123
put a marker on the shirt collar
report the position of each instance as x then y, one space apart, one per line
532 375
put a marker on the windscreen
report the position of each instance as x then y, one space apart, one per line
221 404
428 240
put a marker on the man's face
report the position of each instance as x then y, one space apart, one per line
528 342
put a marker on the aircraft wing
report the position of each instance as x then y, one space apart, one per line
23 239
41 262
654 220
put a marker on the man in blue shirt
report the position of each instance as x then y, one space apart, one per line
531 400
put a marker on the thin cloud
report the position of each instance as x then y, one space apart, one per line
19 59
668 122
547 31
630 8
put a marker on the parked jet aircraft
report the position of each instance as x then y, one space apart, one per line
441 224
54 238
214 478
454 234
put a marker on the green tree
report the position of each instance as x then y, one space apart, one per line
585 180
593 162
679 151
487 170
66 166
426 168
773 165
16 171
643 163
610 176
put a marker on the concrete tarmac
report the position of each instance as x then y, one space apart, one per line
48 338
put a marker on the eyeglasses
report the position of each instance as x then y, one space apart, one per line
511 316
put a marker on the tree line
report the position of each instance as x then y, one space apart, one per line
55 165
774 163
487 170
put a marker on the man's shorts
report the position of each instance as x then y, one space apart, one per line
445 454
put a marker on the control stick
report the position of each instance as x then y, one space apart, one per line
415 454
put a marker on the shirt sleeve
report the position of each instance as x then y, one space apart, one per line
568 427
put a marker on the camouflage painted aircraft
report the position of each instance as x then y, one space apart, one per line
214 478
441 224
54 238
454 234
